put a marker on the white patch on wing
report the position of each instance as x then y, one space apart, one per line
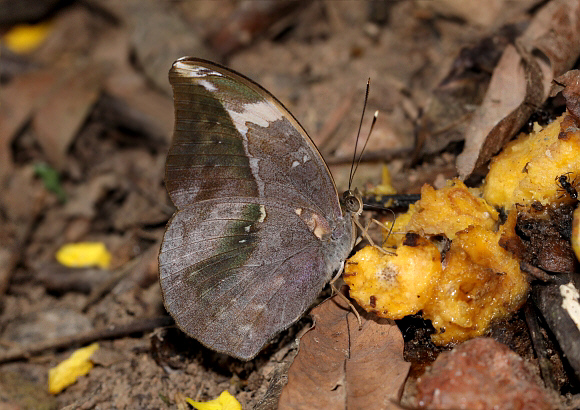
305 158
207 85
295 164
262 213
247 228
189 69
254 167
260 113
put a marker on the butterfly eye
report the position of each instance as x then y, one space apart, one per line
352 202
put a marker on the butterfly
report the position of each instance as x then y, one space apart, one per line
259 228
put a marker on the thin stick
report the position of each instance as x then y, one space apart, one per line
110 332
539 345
100 291
535 272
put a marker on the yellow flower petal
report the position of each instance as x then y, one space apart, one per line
386 185
83 255
68 371
225 401
24 38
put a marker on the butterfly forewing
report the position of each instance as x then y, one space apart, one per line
233 138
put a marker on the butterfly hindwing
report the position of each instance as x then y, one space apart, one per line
233 274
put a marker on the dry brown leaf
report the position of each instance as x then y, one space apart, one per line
455 99
18 101
129 102
83 203
19 211
521 81
12 12
21 206
65 110
494 13
340 366
159 36
72 38
249 20
569 84
136 106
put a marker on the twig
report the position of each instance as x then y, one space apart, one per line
110 332
535 272
539 345
97 293
369 156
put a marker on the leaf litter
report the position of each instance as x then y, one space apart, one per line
356 367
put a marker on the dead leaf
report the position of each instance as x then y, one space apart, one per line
569 84
60 279
339 366
26 10
8 259
72 39
159 36
250 20
48 324
136 211
494 12
18 101
521 81
66 109
84 202
455 99
19 210
131 103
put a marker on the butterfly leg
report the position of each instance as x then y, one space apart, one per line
365 234
347 300
382 225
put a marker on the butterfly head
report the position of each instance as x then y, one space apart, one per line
352 202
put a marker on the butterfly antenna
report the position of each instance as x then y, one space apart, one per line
366 142
352 167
